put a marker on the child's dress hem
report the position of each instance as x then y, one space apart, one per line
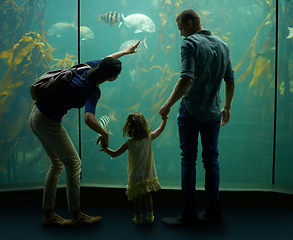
142 187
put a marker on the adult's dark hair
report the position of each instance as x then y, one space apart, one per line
109 67
189 14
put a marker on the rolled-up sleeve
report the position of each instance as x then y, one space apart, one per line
229 73
92 100
94 63
187 59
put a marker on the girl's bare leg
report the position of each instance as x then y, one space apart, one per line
148 201
137 209
149 206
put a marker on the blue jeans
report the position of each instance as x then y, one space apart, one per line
189 129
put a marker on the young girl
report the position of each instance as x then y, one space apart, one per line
142 176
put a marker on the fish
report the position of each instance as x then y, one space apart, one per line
123 3
59 29
140 22
105 121
155 3
111 17
128 43
133 75
290 34
86 33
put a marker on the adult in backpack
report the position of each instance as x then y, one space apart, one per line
45 121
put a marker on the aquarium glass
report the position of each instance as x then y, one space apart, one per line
284 127
39 35
30 46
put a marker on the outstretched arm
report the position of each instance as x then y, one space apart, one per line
160 129
130 50
113 153
229 93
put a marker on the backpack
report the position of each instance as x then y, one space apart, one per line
53 81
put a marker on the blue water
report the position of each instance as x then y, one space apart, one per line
252 154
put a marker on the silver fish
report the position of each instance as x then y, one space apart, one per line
128 43
123 3
86 33
111 17
140 22
60 29
105 121
155 3
133 75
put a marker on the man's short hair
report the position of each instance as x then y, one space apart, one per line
189 14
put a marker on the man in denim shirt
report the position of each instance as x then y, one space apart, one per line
205 62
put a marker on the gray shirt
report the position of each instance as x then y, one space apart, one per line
206 59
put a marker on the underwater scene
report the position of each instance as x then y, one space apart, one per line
40 35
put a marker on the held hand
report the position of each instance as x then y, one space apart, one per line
133 48
103 145
225 116
164 111
165 118
104 139
99 139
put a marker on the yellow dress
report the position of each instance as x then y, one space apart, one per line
142 175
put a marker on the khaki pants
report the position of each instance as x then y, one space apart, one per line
62 153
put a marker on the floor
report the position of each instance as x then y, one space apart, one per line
23 221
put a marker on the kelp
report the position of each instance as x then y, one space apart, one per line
28 59
67 62
16 21
159 89
259 60
166 41
262 62
251 52
24 56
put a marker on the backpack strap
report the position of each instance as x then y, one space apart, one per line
80 66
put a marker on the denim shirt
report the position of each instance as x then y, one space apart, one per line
206 59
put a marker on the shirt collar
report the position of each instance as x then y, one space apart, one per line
204 32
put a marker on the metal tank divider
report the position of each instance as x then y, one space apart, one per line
78 60
276 92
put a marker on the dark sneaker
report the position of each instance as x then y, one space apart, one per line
56 220
203 216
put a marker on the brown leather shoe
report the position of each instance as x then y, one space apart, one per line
84 219
56 220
